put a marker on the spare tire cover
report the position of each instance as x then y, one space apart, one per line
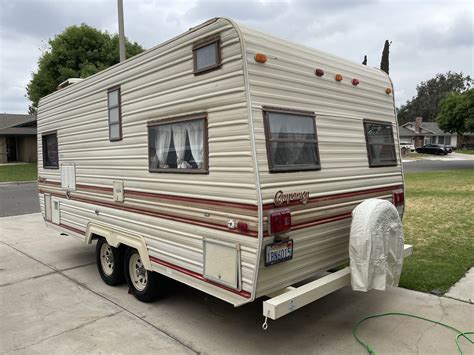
375 245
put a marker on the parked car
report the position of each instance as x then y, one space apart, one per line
432 149
448 148
407 146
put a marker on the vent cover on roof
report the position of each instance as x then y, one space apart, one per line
68 82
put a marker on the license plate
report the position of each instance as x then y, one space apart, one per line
278 252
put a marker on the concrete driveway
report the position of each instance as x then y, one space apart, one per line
53 301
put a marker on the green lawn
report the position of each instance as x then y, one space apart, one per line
439 222
18 172
465 151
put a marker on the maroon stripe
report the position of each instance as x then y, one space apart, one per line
198 276
322 221
337 196
75 230
161 196
253 234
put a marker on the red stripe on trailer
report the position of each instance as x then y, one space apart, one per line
198 276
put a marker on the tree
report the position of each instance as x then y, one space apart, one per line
385 54
365 60
77 52
456 112
430 93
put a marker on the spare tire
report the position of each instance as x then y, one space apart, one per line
375 245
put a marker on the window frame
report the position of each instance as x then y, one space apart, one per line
203 43
119 106
44 147
268 141
367 144
205 153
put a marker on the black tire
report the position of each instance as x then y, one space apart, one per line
145 285
109 263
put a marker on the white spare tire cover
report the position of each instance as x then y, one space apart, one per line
375 245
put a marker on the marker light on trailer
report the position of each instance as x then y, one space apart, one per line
388 91
338 77
260 58
319 72
355 82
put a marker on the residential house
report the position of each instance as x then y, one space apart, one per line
17 138
420 133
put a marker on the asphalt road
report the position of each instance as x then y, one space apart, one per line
418 166
16 199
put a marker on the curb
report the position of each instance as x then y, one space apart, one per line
17 182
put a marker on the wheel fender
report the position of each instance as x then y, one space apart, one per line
116 237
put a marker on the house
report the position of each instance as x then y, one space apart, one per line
17 138
420 133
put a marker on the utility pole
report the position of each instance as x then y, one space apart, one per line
121 31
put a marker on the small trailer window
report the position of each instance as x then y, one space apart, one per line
206 55
292 143
50 151
115 114
380 144
178 145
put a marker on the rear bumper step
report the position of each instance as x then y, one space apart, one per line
292 298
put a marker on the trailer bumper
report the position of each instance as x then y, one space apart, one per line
293 298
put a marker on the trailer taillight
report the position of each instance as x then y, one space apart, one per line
279 221
398 197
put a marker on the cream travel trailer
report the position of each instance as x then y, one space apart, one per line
224 158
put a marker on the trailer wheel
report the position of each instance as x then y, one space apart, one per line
109 263
144 284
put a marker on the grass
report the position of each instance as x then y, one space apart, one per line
465 151
18 172
439 222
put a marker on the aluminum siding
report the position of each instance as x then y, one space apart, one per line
287 80
158 84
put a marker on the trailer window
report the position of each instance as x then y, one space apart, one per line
50 151
206 55
178 145
292 143
115 114
380 144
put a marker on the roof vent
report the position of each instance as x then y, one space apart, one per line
68 82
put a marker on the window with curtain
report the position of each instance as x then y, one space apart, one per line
115 114
50 151
178 145
380 144
292 143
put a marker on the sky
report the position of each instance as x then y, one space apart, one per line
428 37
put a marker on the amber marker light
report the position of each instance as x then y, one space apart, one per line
388 91
260 58
355 82
319 72
338 77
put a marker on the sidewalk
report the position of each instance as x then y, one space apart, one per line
463 290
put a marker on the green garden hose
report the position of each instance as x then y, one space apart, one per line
370 350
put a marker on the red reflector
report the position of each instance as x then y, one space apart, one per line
242 226
319 72
398 197
279 221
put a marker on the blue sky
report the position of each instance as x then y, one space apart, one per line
428 37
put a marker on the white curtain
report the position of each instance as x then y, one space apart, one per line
285 153
162 144
196 140
179 138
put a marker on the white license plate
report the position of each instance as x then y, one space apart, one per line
278 252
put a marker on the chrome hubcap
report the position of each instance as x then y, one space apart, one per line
137 272
107 259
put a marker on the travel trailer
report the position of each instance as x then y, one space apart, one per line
224 158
